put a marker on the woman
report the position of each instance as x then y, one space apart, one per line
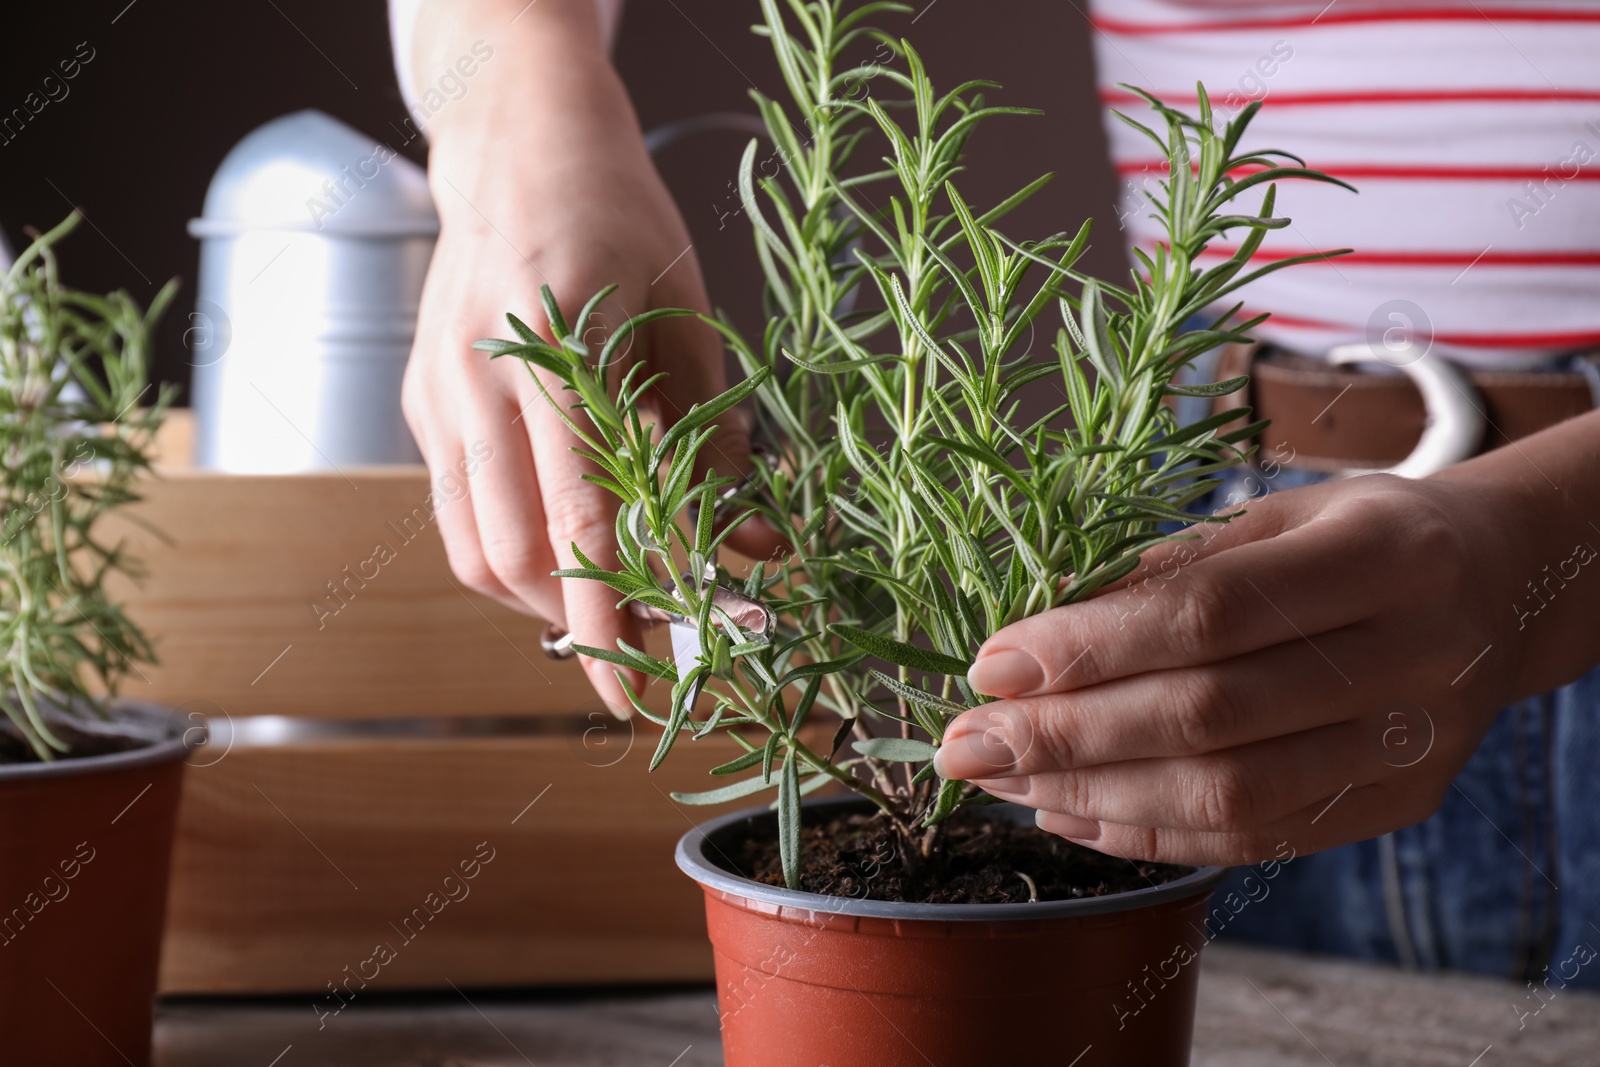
1391 674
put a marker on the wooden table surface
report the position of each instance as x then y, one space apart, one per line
1256 1009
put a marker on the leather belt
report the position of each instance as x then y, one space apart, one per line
1327 418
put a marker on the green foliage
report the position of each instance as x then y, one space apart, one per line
923 510
78 416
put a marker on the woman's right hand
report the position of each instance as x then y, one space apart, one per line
541 177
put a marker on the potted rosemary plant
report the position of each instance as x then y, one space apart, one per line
88 786
924 508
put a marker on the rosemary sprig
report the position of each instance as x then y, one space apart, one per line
78 416
924 512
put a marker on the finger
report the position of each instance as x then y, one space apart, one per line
1233 791
1250 597
1252 520
415 421
580 512
458 530
1187 711
690 351
755 537
1356 814
509 512
452 510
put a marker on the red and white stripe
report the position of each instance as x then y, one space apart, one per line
1472 130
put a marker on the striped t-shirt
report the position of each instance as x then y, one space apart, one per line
1472 130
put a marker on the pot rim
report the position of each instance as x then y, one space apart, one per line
692 861
176 743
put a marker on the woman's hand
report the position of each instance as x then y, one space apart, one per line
1317 671
541 178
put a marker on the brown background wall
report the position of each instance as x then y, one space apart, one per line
173 84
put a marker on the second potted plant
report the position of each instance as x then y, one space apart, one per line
88 786
924 507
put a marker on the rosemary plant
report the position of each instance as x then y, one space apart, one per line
77 420
923 509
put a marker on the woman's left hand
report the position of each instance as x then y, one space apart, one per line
1315 671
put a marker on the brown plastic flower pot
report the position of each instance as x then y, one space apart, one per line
85 847
805 980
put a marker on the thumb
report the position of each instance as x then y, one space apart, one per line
691 353
1254 519
755 537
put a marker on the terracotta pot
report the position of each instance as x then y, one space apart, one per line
805 980
85 846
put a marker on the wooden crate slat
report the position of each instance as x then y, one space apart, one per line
240 562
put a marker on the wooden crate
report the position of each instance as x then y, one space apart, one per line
298 858
296 862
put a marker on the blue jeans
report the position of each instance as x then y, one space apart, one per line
1504 879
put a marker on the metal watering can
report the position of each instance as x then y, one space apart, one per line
314 244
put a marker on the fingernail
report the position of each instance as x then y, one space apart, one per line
1006 672
979 745
1012 789
1061 824
618 711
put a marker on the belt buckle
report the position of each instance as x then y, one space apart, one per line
1456 419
